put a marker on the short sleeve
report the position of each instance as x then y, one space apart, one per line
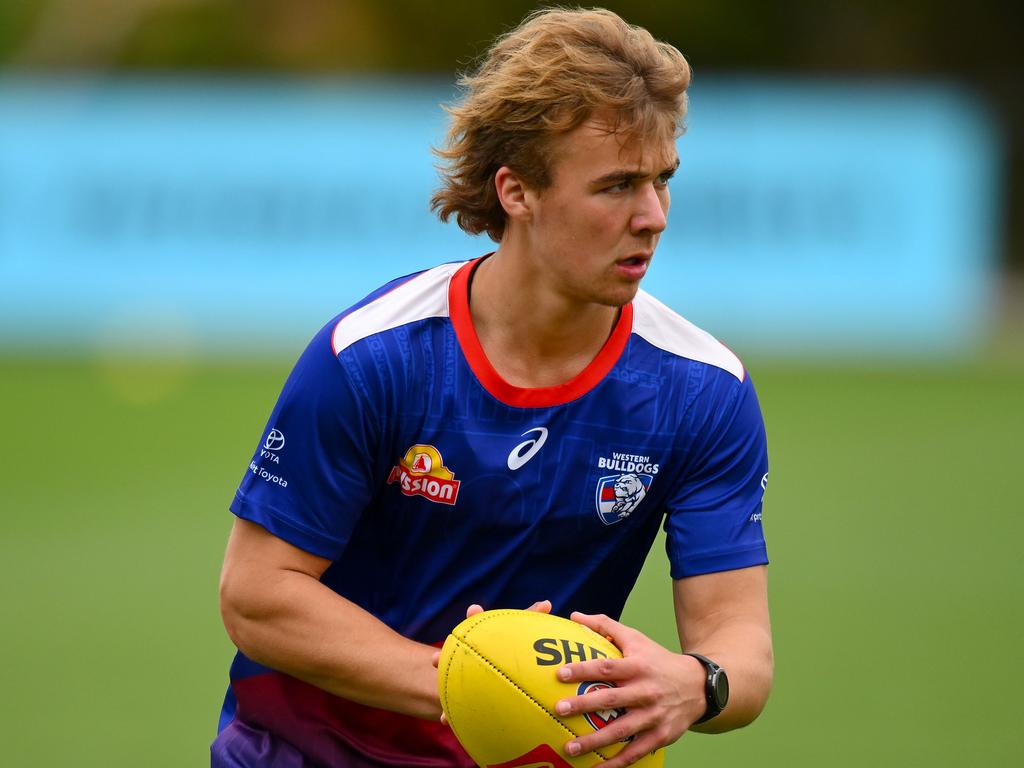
312 473
714 517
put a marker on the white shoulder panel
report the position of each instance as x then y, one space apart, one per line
423 296
659 325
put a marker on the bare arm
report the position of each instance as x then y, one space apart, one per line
278 613
724 616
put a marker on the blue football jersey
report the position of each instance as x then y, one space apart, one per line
396 451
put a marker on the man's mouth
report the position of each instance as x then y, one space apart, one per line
634 267
635 259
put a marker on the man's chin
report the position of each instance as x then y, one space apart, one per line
622 296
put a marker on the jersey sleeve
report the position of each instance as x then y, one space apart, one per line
714 517
312 473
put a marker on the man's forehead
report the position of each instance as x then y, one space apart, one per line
598 142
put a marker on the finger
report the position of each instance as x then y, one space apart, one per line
474 609
618 730
607 670
644 744
541 606
444 719
604 626
435 659
597 700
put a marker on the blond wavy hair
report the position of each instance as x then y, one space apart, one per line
541 80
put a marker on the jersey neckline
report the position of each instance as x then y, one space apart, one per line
528 397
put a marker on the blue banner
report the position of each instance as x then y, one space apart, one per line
237 215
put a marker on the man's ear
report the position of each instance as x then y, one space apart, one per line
513 194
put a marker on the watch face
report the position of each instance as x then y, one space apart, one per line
721 688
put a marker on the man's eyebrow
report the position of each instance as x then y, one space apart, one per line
619 176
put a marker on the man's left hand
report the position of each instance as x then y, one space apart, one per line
662 692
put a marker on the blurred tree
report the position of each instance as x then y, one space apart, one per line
895 37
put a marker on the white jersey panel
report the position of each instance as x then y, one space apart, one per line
420 297
657 324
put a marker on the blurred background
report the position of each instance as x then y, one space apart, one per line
190 188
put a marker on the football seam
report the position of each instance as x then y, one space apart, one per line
465 643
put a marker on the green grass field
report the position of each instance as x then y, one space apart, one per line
894 517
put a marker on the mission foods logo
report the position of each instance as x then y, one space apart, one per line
421 472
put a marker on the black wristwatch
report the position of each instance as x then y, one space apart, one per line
716 687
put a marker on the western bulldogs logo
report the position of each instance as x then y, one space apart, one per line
601 717
618 496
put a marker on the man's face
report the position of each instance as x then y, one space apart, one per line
594 230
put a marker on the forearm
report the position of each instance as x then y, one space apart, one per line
289 621
744 649
724 616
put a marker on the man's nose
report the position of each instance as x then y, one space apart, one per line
651 214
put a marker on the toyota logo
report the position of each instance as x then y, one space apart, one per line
275 440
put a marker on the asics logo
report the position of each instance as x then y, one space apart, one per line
527 449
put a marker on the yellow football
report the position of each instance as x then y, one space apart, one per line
496 679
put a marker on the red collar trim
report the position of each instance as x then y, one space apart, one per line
524 397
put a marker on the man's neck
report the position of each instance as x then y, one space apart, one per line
532 335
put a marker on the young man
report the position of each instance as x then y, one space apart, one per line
507 432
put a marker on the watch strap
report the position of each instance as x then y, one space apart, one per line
711 669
